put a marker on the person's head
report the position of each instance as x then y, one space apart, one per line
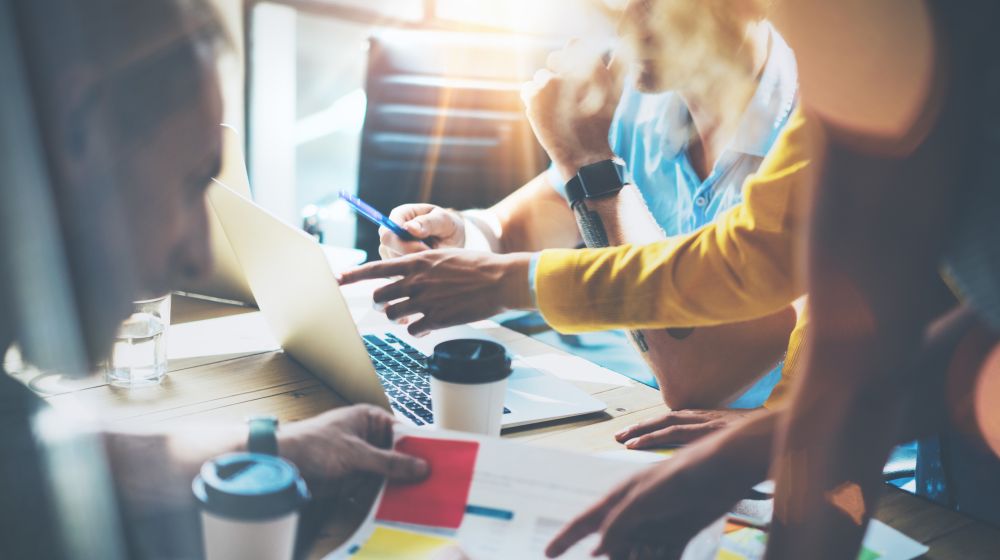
130 109
691 45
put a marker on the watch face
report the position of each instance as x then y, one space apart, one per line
601 178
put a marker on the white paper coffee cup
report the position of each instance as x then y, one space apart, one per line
468 385
231 539
250 506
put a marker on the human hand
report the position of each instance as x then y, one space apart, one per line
346 441
441 227
656 512
570 106
679 427
448 287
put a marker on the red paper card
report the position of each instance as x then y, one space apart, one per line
439 500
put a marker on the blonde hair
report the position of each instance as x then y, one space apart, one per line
700 47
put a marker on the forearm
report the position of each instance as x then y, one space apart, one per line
153 471
532 218
665 284
746 449
709 366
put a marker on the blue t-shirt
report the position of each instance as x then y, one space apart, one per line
650 132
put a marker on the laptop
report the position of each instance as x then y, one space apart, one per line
296 289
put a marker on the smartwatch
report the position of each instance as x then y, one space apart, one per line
263 437
596 180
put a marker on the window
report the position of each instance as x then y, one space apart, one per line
306 73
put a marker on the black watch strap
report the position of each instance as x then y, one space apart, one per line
591 226
263 436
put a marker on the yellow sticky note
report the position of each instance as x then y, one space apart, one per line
388 543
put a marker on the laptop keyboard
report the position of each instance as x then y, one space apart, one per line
402 369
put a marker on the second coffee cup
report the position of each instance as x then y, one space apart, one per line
250 506
468 385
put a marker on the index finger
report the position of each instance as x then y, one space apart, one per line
673 418
374 270
586 523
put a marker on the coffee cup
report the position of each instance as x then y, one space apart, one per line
468 385
250 505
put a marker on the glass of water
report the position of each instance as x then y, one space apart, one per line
139 357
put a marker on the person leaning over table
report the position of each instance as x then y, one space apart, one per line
884 364
138 80
686 161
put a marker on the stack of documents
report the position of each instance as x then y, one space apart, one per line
488 499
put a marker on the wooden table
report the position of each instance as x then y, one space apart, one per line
225 366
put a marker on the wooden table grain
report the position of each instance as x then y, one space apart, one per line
224 366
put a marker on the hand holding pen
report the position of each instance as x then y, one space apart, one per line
368 212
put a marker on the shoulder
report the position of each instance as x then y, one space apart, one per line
871 76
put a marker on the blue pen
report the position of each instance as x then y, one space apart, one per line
379 219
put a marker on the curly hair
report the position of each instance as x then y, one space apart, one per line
694 46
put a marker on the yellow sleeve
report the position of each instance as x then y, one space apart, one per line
740 267
782 392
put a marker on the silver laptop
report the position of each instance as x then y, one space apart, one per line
298 293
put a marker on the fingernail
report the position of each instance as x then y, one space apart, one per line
420 468
632 442
624 432
415 227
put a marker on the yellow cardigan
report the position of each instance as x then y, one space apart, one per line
743 266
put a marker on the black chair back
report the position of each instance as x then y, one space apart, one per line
445 123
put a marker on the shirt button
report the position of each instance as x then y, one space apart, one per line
701 201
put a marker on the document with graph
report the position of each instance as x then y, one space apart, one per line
488 499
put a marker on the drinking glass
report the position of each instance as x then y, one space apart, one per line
139 356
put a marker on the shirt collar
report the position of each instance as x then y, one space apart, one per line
771 104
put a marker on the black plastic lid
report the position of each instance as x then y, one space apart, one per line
250 486
469 361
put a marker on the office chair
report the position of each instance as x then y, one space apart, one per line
444 122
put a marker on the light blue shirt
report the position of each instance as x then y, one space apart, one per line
650 132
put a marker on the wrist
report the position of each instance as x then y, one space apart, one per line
569 166
262 436
480 231
515 290
748 448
